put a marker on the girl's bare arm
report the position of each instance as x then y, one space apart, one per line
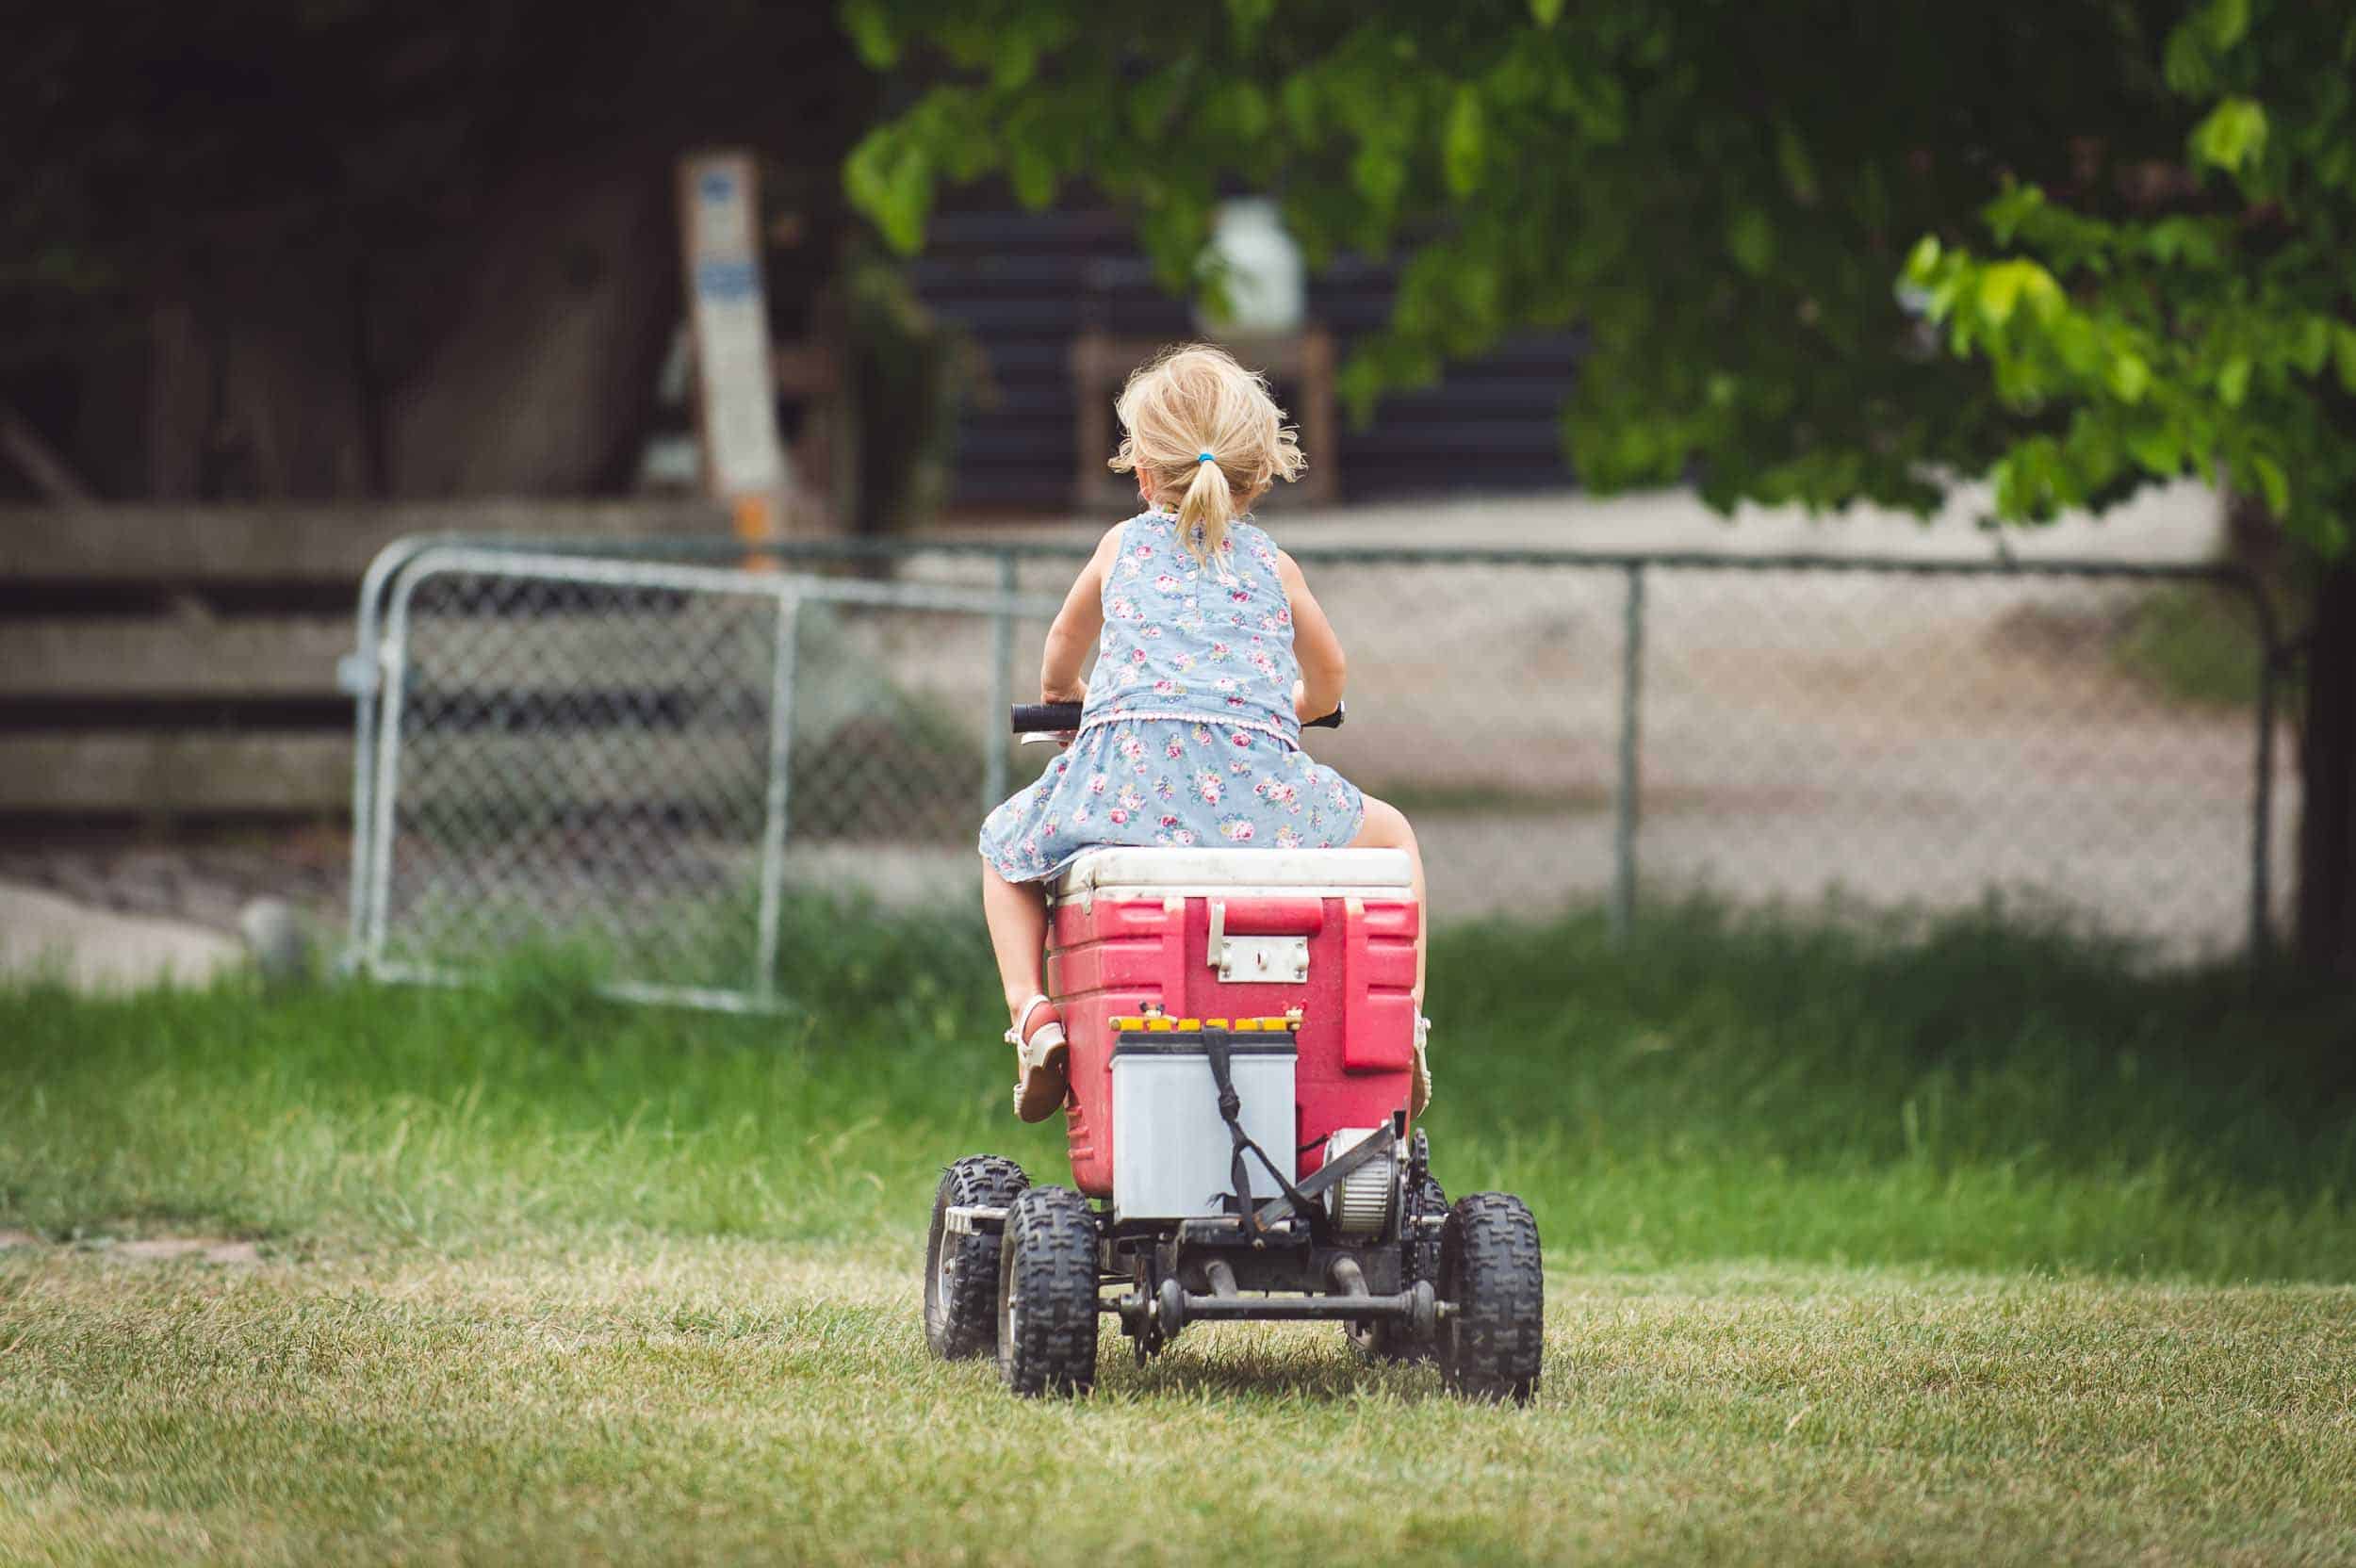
1076 627
1322 666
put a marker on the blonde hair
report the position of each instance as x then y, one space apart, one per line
1190 400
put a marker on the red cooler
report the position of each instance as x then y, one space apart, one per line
1236 934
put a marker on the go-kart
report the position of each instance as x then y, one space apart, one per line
1242 1028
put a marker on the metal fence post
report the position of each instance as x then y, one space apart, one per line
1001 687
778 797
1624 805
2262 804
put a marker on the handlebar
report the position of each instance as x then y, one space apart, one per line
1052 718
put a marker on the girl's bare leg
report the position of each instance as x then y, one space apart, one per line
1017 916
1384 828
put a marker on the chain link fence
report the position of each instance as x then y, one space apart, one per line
656 753
643 758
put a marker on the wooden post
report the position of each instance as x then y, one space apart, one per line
736 416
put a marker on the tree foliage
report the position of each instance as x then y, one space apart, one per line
1779 227
2209 329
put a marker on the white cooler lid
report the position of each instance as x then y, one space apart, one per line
1381 872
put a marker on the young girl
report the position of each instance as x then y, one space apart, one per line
1212 652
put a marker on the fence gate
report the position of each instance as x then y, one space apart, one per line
641 759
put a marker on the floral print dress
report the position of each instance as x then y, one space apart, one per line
1188 735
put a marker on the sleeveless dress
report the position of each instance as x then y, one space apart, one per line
1188 735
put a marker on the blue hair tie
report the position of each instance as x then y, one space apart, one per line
1202 457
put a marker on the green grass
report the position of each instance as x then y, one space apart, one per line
2193 645
1958 1242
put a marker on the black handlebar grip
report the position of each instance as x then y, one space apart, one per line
1045 718
1052 718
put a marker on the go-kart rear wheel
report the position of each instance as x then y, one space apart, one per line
1047 1294
961 1271
1419 1249
1491 1273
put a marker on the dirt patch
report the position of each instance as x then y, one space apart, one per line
18 1238
208 1248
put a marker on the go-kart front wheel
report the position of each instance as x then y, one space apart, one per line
962 1270
1490 1271
1047 1294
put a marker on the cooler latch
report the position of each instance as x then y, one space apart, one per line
1255 961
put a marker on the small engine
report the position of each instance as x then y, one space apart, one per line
1364 1203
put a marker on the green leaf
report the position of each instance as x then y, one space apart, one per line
2233 382
1461 146
1299 97
2129 377
2006 284
869 23
2008 212
1249 17
1016 59
1033 174
2311 349
1922 260
2186 63
891 181
2228 21
2196 243
1544 12
1799 170
1751 240
1378 172
2272 482
2000 290
1237 108
2233 134
2157 450
2079 345
1154 101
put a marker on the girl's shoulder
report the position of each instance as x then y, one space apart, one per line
1143 523
1118 537
1127 548
1254 542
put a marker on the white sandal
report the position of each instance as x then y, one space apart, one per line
1040 1090
1421 1095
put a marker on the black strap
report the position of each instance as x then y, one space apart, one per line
1332 1173
1216 1044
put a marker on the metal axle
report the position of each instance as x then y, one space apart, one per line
1175 1306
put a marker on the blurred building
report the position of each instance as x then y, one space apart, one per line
1026 285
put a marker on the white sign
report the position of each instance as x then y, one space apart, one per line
729 319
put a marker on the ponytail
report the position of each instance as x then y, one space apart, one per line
1198 426
1203 513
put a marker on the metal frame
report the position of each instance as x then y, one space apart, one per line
394 572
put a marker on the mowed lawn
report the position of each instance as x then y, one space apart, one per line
1954 1244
